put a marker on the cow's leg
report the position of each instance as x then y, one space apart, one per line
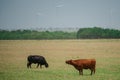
80 72
37 65
29 65
40 66
92 71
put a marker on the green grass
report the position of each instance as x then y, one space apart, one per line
13 54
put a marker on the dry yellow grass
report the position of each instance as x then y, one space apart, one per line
13 54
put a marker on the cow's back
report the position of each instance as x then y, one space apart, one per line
34 58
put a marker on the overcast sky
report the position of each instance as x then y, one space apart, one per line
27 14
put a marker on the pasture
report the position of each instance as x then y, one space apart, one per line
13 55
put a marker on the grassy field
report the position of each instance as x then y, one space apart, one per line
13 54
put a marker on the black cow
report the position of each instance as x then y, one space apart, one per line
40 60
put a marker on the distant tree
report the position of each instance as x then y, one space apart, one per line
97 32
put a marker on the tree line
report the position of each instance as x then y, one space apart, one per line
82 33
32 34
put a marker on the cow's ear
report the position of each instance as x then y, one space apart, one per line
70 60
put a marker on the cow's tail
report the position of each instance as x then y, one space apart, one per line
94 65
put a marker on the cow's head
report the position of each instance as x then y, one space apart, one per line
68 61
46 65
71 62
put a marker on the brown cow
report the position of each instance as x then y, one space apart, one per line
81 64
